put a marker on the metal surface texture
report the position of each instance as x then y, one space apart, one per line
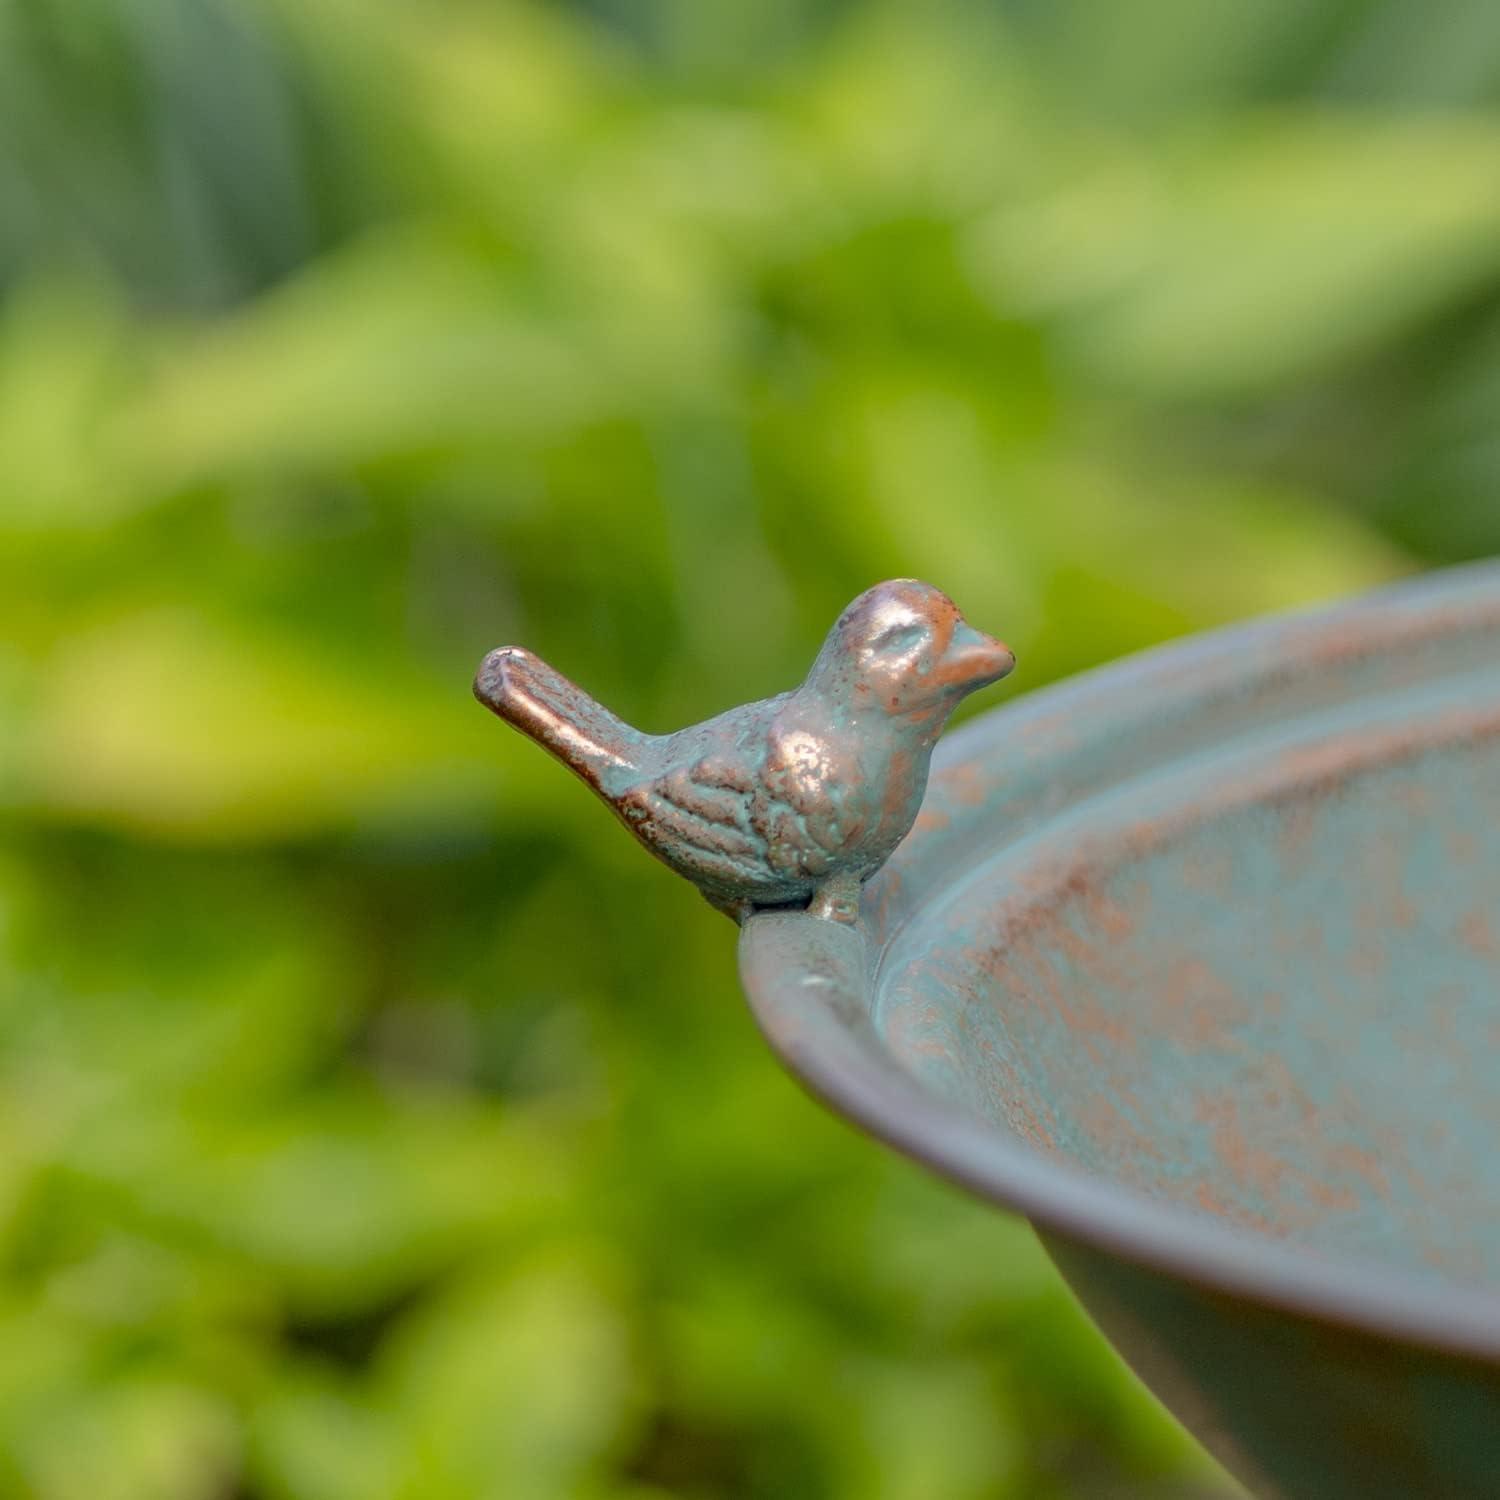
799 798
1195 961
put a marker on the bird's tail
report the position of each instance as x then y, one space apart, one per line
523 690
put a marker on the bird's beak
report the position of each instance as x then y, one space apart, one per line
973 660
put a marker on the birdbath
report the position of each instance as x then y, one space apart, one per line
1194 961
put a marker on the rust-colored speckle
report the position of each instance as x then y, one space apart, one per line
932 820
1362 1164
1236 1213
1477 934
966 784
1196 1007
1109 1127
1030 1125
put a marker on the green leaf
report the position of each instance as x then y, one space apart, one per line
516 1383
171 720
1274 249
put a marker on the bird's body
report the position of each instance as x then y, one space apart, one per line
794 799
765 803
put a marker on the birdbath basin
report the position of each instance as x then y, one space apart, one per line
1195 962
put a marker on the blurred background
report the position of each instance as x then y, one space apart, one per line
376 1122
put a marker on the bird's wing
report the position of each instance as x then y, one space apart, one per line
700 815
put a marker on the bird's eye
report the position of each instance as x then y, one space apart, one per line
900 638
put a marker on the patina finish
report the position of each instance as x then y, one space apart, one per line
1195 961
797 799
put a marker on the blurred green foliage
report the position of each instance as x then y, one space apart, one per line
377 1123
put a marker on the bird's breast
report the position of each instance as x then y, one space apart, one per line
806 766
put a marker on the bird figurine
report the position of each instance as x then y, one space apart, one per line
792 801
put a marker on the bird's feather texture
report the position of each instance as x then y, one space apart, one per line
794 798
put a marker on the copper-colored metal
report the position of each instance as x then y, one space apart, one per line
797 799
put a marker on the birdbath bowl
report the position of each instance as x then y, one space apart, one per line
1195 962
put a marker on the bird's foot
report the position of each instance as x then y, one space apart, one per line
837 900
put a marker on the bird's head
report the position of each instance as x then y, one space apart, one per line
903 649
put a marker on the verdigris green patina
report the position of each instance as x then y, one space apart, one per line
1195 962
799 798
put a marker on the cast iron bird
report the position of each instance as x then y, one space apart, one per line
796 799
